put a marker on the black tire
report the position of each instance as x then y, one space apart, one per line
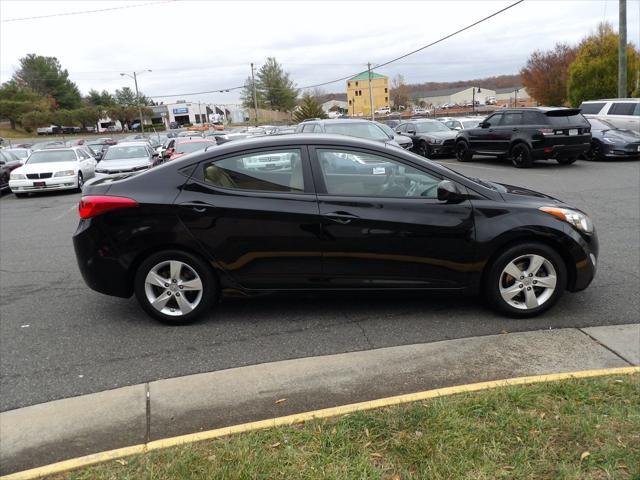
424 149
595 152
208 294
567 160
80 182
494 278
521 156
463 152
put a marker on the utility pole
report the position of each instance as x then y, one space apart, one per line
255 96
135 81
370 92
622 50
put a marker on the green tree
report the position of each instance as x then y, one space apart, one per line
86 116
399 92
127 97
100 99
16 100
545 74
34 119
274 89
45 76
309 108
246 96
594 72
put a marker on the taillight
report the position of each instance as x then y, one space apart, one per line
93 205
545 131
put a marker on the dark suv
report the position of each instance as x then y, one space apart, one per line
528 134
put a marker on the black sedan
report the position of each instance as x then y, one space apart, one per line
179 235
430 137
609 142
8 162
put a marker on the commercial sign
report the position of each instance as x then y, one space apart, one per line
177 111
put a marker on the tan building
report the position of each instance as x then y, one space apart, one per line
358 93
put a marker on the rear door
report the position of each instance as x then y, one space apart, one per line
384 227
259 224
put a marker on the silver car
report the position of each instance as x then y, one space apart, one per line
127 157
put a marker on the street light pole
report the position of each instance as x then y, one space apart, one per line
135 81
622 49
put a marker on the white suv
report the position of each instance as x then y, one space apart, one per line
622 112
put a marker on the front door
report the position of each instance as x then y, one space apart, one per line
486 139
383 225
256 214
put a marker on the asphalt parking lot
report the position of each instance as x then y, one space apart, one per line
60 339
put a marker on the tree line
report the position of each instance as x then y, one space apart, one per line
568 75
40 93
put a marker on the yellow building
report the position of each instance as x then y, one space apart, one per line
358 93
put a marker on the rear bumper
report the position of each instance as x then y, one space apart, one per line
559 151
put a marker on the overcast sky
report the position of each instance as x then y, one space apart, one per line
195 46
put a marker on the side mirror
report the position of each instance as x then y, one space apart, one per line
411 132
484 124
449 192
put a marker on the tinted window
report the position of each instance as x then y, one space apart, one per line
276 171
365 174
532 118
49 156
494 120
565 120
425 127
592 108
509 119
622 108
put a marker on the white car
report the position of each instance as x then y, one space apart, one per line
53 169
624 113
383 111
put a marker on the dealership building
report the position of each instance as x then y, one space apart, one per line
183 113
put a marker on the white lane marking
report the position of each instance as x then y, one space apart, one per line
66 212
490 168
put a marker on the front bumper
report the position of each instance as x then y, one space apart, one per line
583 250
53 183
625 151
442 148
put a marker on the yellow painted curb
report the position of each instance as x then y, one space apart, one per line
101 457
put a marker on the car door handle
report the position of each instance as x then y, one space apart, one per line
341 217
198 207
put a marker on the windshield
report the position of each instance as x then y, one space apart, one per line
387 129
50 156
192 147
20 152
361 130
424 127
471 123
601 124
121 153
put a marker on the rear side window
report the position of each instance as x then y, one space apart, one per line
624 108
309 128
591 108
270 171
533 118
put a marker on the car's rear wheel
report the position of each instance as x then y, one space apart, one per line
521 156
80 182
567 160
463 152
526 280
175 287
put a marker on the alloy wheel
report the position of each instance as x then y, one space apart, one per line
527 282
173 288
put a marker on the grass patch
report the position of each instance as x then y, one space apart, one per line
17 133
572 429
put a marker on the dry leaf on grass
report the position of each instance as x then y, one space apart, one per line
277 444
375 455
584 455
281 400
121 461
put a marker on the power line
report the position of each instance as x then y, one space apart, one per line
85 11
220 90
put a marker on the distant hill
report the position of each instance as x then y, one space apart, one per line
501 81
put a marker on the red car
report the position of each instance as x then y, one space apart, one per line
181 148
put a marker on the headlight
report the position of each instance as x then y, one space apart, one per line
16 176
436 141
577 219
608 140
65 173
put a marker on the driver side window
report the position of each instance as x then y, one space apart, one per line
365 174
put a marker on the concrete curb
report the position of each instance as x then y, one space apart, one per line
147 413
100 457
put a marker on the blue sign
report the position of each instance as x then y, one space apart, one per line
180 110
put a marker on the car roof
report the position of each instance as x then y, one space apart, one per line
634 100
196 140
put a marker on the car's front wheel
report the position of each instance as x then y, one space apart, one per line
463 152
424 149
526 280
80 182
175 287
